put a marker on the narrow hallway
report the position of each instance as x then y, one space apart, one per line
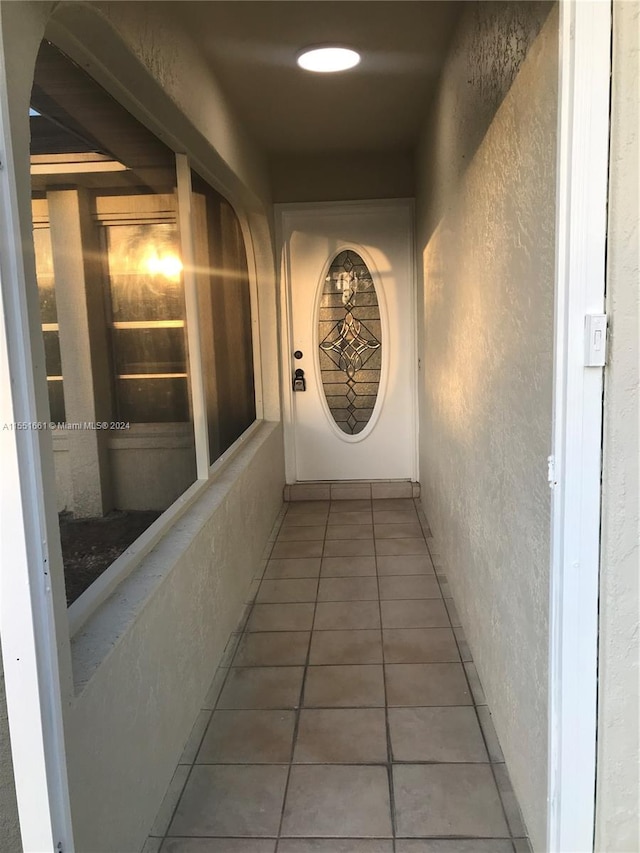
348 716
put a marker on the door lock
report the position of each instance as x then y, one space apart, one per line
299 382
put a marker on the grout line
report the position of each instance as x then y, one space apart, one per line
392 803
298 711
475 708
244 621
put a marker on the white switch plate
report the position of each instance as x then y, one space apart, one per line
595 340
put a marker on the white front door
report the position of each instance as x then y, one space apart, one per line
349 327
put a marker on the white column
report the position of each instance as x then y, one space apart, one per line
84 347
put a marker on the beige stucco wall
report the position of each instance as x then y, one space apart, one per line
134 680
485 235
618 784
144 663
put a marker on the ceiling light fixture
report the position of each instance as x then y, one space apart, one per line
326 60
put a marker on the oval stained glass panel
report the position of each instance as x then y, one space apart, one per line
350 341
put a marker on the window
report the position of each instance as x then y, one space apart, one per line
107 240
225 317
49 317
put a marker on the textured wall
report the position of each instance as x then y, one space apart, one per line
486 207
618 787
144 663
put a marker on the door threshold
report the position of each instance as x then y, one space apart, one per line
343 490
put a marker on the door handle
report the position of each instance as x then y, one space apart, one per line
299 382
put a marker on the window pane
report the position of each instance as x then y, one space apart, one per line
144 273
112 305
167 399
150 350
52 357
49 319
225 315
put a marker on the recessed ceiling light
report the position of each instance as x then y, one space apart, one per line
328 59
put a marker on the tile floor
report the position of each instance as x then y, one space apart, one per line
348 716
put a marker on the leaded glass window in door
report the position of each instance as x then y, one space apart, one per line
350 342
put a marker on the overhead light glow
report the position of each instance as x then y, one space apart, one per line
326 60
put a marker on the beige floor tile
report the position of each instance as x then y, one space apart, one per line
195 738
309 492
391 491
436 684
393 504
281 617
334 845
423 613
474 683
341 736
311 518
171 798
352 505
413 564
335 567
302 533
350 491
262 687
248 737
346 615
337 515
213 693
398 531
345 647
297 549
152 845
348 589
394 516
240 801
457 845
219 845
448 735
349 531
509 801
399 547
309 505
287 591
420 645
344 687
447 799
343 801
280 648
303 567
408 586
489 732
465 651
453 612
349 548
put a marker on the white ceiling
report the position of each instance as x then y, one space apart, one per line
378 106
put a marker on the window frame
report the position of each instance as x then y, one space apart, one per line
80 611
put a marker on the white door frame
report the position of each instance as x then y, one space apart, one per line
575 465
27 617
286 328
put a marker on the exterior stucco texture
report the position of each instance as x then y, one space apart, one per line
486 218
618 785
144 662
